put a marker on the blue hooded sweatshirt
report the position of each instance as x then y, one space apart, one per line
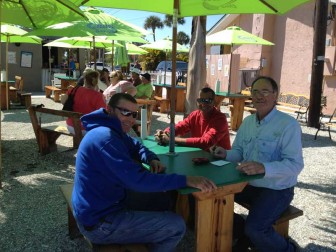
106 167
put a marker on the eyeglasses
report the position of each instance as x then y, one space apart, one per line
126 112
263 93
204 100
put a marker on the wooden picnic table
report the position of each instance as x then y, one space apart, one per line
237 112
5 104
214 210
66 81
180 94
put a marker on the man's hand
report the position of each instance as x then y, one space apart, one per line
156 166
202 183
251 168
218 152
161 137
158 135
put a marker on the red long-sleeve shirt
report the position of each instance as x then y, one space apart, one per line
205 133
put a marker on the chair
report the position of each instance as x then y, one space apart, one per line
15 90
327 122
302 112
57 82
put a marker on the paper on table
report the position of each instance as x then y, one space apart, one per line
220 162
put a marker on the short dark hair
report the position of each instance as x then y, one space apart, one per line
270 81
121 96
208 90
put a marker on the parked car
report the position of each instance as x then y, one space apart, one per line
181 69
181 66
100 66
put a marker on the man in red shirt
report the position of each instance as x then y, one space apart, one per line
207 126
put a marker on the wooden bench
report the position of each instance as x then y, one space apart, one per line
17 95
294 103
56 91
282 224
162 103
74 232
46 136
326 123
249 109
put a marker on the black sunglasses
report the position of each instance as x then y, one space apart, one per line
126 112
204 100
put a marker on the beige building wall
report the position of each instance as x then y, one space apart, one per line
289 61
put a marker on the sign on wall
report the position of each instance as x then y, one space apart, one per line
11 57
26 59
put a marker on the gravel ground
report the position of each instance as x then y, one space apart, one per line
33 213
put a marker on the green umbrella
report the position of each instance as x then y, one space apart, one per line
165 45
39 13
98 24
132 50
190 8
120 56
184 8
83 42
13 34
234 35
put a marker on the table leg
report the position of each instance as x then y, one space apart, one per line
237 113
214 218
214 224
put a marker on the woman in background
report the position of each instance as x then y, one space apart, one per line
86 98
118 85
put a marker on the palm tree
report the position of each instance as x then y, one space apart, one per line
153 22
183 38
168 21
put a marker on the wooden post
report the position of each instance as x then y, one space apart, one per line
320 30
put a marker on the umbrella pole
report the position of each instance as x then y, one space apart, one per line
112 55
173 91
229 82
49 48
94 53
0 112
164 79
7 98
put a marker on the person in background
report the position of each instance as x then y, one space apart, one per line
104 80
145 89
109 171
72 65
80 81
137 65
207 126
118 85
135 76
269 143
86 98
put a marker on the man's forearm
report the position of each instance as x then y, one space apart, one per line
180 141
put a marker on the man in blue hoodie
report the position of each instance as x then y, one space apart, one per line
107 170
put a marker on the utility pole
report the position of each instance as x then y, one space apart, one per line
320 31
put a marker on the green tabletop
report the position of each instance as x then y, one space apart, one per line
61 77
10 81
181 163
233 95
168 86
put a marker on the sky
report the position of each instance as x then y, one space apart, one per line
138 18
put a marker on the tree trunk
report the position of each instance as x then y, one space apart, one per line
196 68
